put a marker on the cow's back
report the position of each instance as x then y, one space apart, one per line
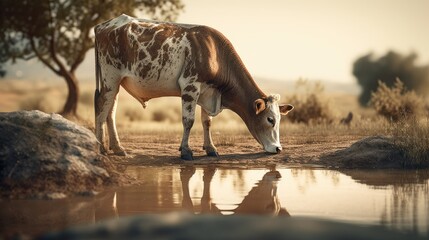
150 56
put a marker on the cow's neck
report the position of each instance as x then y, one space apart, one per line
239 90
241 93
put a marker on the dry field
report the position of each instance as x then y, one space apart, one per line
152 136
303 145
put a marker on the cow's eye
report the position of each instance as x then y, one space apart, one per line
271 121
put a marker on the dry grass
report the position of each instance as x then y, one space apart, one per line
164 114
412 137
408 117
18 95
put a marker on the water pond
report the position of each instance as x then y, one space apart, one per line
397 199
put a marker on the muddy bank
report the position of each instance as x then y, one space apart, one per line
339 152
46 156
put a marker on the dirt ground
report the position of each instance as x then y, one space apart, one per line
242 150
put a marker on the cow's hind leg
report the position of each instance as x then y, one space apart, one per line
104 101
114 143
99 102
189 103
208 146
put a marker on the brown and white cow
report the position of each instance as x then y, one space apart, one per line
152 59
262 198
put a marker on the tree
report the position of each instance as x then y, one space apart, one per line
59 32
387 69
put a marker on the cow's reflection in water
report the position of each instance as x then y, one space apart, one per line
262 199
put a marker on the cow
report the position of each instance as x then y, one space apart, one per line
262 198
152 59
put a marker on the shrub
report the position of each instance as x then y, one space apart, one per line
170 114
396 103
310 107
133 114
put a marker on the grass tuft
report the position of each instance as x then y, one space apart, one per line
412 138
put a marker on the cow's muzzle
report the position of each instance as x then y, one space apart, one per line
273 149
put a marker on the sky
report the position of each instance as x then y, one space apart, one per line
311 39
314 39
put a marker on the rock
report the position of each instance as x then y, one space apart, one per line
47 155
372 152
180 226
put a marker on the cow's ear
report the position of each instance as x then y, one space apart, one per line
285 109
259 106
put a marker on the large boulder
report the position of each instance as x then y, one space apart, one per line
47 155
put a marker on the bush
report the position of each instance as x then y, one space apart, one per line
396 103
171 115
386 69
310 107
133 114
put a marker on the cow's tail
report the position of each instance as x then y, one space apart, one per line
97 102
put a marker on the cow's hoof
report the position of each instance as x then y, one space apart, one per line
186 153
120 153
211 151
187 156
103 150
118 150
213 154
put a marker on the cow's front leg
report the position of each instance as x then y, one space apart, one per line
185 175
189 103
206 120
206 199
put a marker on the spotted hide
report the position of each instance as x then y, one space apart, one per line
152 59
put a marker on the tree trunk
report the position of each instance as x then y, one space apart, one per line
70 107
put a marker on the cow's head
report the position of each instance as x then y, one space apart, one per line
267 124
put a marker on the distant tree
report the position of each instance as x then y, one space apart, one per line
59 32
387 69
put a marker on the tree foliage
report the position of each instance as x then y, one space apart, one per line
59 32
387 69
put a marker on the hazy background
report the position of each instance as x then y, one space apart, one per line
289 39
